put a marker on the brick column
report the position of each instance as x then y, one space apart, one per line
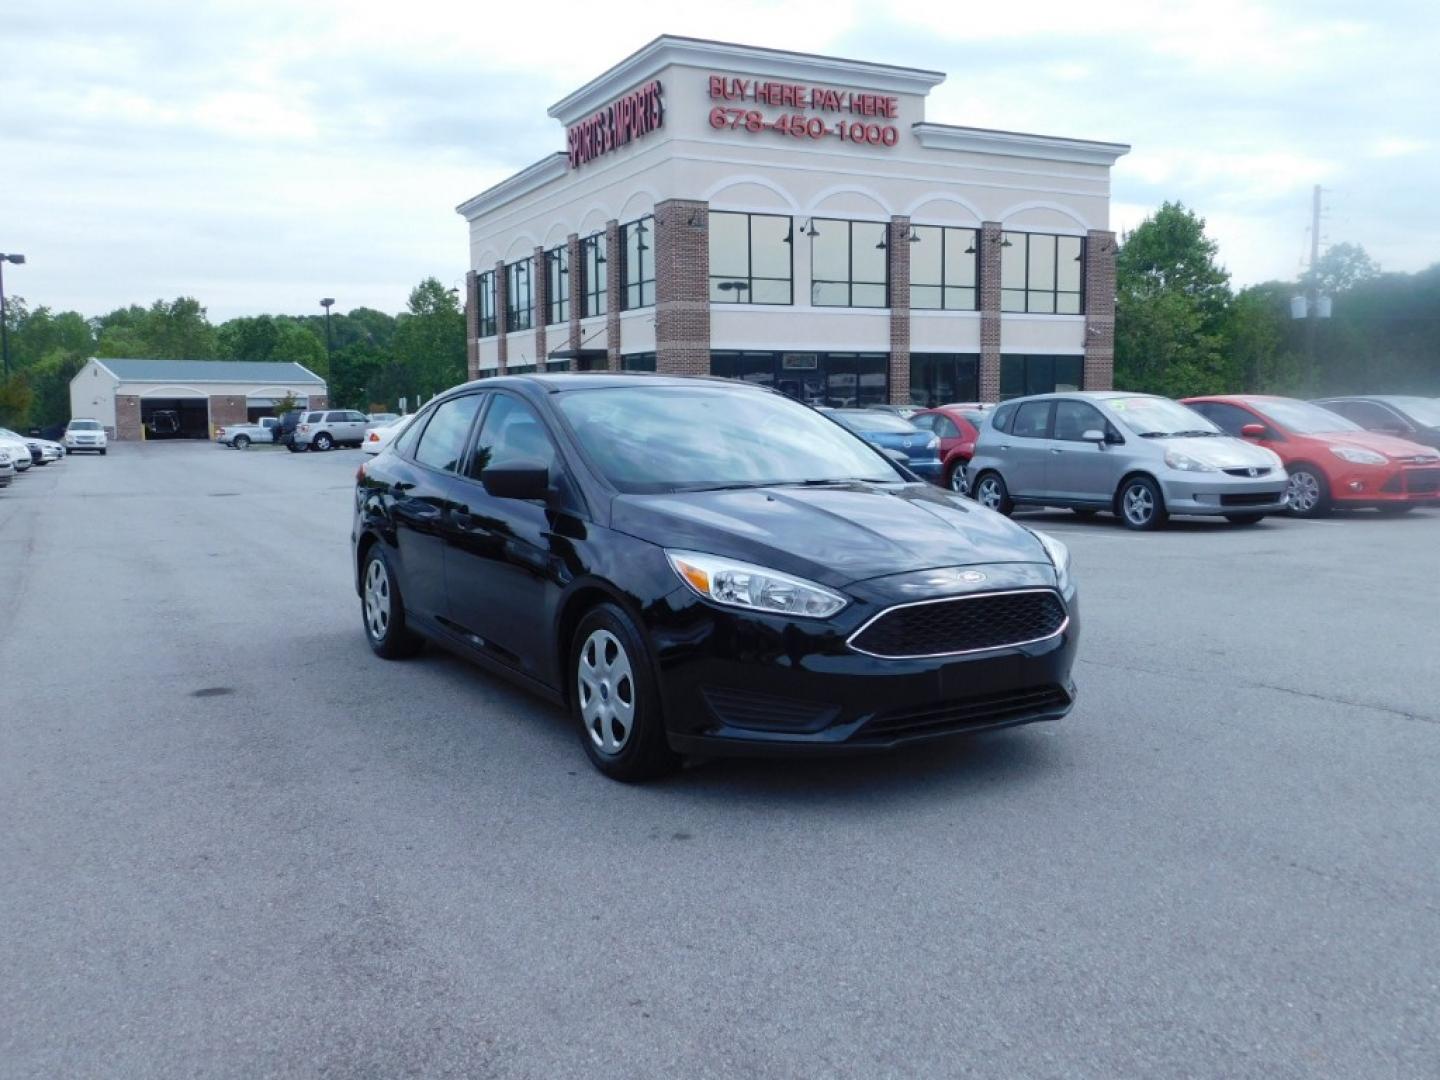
990 234
682 287
317 401
1099 310
540 295
898 251
127 418
577 290
226 411
502 295
472 324
613 286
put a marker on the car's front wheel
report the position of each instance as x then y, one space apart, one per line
991 493
383 609
1141 505
322 442
614 700
1307 494
242 442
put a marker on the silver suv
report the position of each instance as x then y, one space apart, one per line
327 430
1139 456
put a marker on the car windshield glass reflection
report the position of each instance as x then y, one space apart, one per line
1155 417
875 421
1422 410
1303 418
657 439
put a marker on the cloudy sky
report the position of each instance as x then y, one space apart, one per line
261 154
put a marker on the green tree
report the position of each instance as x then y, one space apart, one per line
1171 308
15 399
1342 267
167 330
50 383
430 340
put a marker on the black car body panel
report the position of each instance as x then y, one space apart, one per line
504 581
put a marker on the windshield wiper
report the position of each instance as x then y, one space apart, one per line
1194 434
1153 434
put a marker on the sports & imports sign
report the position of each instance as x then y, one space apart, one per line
808 112
618 124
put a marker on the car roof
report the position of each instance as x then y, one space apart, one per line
556 382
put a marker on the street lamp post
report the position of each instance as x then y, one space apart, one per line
4 328
327 303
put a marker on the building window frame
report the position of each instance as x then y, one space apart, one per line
850 283
637 272
1023 374
519 287
952 271
1032 299
557 285
742 286
931 371
595 296
486 316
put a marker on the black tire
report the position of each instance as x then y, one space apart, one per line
242 442
1140 505
1244 519
1083 512
625 751
1395 509
322 442
1308 495
388 636
955 477
991 492
102 453
294 448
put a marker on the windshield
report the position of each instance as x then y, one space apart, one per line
654 439
1302 418
1422 410
875 421
83 425
1154 416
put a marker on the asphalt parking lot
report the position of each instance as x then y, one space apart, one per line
236 844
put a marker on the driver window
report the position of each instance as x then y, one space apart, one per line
1074 418
510 433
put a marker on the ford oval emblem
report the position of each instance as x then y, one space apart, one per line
971 577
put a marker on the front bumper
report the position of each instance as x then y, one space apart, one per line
1374 485
741 683
1221 493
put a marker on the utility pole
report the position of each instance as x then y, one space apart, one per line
1312 294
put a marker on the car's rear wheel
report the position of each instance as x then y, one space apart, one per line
1307 494
383 609
322 442
242 442
1141 505
991 493
614 699
955 479
1244 519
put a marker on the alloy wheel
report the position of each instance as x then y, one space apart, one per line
1139 504
1303 492
607 692
957 478
989 493
377 599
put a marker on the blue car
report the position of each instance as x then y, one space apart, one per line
888 431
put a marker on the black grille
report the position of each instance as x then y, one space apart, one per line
965 624
1422 481
964 714
1262 498
765 712
1258 471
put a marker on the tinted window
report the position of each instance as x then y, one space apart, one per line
1000 421
1228 418
926 422
443 440
946 428
1031 419
1303 418
314 417
875 421
1074 418
511 433
405 442
1366 414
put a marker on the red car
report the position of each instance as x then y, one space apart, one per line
1332 462
958 426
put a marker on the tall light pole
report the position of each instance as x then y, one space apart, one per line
4 328
327 303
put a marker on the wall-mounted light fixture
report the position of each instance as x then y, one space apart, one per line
810 229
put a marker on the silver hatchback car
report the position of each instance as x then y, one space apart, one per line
1139 456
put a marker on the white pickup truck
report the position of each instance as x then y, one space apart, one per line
240 436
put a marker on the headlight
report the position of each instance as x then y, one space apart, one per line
1186 463
1357 456
741 585
1059 556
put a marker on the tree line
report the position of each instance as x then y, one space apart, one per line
372 358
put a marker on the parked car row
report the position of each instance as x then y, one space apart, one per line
299 430
20 453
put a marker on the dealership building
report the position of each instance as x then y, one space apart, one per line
134 398
797 221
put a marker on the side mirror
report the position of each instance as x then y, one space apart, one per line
1252 431
1094 435
524 479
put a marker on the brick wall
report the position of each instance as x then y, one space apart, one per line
502 295
682 287
226 410
577 285
613 259
1099 310
127 418
990 235
540 297
472 323
898 250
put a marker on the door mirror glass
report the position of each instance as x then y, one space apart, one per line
1253 431
1093 435
522 479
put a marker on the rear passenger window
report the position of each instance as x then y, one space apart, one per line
443 440
1032 419
1003 415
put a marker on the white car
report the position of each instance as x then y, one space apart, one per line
83 434
19 451
377 438
7 466
240 436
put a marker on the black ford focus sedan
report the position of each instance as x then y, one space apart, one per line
698 566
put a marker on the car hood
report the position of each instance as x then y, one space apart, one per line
1221 452
835 534
1391 446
